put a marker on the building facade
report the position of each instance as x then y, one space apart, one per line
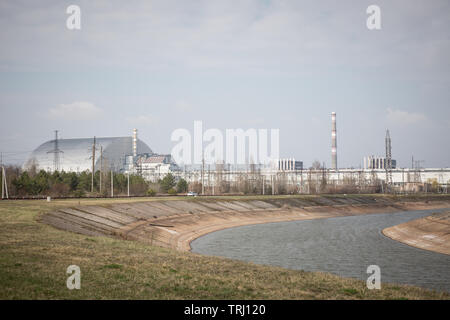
374 163
155 167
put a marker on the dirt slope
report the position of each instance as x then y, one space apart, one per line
174 224
430 233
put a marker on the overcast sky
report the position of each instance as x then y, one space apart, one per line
160 65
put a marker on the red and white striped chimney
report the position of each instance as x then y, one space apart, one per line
333 142
134 142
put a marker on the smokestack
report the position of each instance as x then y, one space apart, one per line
333 142
388 150
134 142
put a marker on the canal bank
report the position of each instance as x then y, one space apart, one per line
175 223
429 233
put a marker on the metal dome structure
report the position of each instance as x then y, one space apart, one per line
75 155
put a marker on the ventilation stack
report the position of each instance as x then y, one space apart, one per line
388 159
333 142
134 142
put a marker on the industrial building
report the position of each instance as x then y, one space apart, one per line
403 179
289 164
75 155
119 154
154 167
372 162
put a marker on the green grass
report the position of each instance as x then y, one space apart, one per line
113 266
34 258
350 291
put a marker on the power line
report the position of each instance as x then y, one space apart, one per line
17 152
56 152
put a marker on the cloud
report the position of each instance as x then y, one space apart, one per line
81 110
400 117
143 120
258 121
226 35
316 122
183 106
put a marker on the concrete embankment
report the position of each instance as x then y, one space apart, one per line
175 223
429 233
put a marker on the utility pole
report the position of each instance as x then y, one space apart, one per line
128 181
273 183
1 166
3 174
203 169
112 184
214 182
209 178
4 184
263 184
101 168
93 166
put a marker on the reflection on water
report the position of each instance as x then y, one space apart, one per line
345 246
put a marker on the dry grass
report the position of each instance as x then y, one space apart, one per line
34 258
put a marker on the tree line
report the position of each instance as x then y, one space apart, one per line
32 183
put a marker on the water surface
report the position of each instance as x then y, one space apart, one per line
344 246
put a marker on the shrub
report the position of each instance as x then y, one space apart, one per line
182 186
167 182
79 193
196 187
151 192
172 191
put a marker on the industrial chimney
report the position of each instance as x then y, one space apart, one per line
134 142
333 142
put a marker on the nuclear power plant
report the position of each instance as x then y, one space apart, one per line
118 154
133 156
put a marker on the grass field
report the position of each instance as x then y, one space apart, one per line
34 258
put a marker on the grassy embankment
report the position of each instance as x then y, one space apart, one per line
34 258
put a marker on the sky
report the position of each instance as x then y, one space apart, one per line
160 65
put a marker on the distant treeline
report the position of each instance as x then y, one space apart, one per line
72 184
33 183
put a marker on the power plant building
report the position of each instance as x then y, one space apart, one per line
289 165
75 155
374 163
154 167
